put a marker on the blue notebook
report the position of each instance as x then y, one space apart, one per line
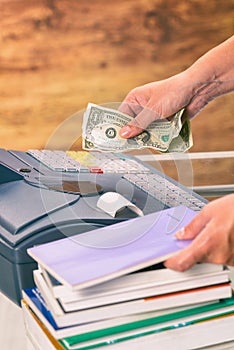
100 255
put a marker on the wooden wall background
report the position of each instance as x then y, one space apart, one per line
58 55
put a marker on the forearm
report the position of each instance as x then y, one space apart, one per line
212 75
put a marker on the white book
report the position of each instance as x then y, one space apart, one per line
195 336
136 286
164 278
34 300
37 333
155 329
70 305
166 301
155 336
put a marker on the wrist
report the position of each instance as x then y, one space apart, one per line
213 74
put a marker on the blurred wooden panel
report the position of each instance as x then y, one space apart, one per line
58 55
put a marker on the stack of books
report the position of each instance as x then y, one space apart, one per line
108 288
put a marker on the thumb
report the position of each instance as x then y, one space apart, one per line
129 130
191 230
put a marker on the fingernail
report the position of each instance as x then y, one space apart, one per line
180 234
125 131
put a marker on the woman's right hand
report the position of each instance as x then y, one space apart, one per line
156 100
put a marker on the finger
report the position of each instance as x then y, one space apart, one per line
200 250
181 262
129 108
195 106
146 117
132 109
128 131
191 230
142 120
187 258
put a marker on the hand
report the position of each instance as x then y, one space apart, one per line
156 100
212 231
212 75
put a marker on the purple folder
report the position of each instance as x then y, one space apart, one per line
97 256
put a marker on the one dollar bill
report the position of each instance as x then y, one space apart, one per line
101 126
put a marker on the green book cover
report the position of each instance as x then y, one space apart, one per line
141 334
121 329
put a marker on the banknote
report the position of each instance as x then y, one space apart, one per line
184 140
101 126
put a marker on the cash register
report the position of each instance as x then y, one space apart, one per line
47 195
